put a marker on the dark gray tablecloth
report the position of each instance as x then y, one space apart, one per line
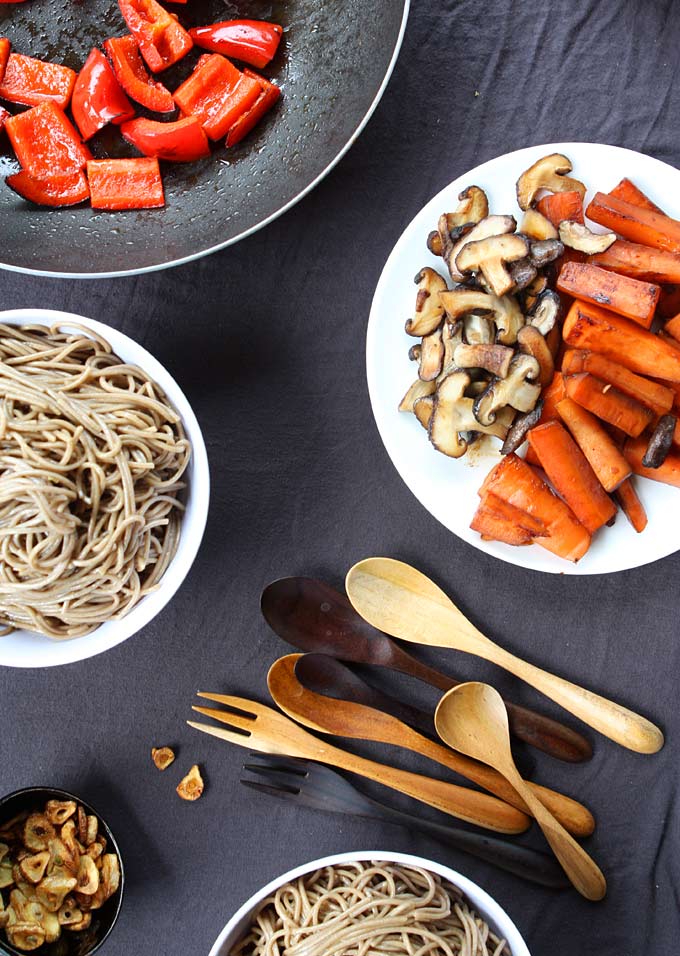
267 339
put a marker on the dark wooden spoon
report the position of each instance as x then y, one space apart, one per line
312 616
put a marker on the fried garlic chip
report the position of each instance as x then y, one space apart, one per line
191 786
162 757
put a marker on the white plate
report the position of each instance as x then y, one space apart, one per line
448 487
27 649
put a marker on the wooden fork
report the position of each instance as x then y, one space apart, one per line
258 727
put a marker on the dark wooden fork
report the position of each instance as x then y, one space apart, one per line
312 785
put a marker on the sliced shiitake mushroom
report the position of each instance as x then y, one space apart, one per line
478 329
520 389
491 257
660 442
452 226
546 251
414 354
419 389
577 236
428 311
492 358
452 336
547 173
523 272
422 409
529 296
38 831
431 355
59 811
531 342
521 426
434 243
504 310
487 227
452 417
536 226
189 788
546 311
33 867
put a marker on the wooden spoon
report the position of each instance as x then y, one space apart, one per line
346 719
402 601
472 718
314 617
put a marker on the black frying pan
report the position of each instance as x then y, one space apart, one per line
333 60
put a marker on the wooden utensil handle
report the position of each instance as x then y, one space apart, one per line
533 728
609 718
469 805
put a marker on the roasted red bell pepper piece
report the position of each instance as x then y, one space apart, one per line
98 97
46 142
269 94
252 41
132 76
29 81
217 93
5 47
125 183
162 40
54 191
180 142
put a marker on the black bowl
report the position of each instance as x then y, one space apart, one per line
88 941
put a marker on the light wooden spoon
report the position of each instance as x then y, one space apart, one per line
402 601
471 718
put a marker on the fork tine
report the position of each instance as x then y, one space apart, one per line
240 703
226 717
277 776
234 737
296 765
271 790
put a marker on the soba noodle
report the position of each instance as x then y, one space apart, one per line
368 909
91 459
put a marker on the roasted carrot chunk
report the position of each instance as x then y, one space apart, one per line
29 82
629 192
627 496
658 398
571 476
639 262
632 298
593 328
602 453
668 473
635 222
518 484
560 206
550 396
672 327
608 403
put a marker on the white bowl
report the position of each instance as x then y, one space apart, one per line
479 899
27 649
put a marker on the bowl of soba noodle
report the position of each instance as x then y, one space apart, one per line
104 487
365 904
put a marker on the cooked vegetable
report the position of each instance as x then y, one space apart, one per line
668 473
29 82
133 77
546 312
181 142
46 142
54 191
602 453
269 95
431 355
484 229
478 329
547 173
164 756
520 427
504 310
217 93
632 507
545 251
125 184
492 358
636 223
5 47
660 442
592 328
522 273
189 788
579 237
33 867
423 408
629 192
496 520
429 309
161 38
531 342
570 474
519 389
608 403
517 483
453 416
560 207
640 262
490 256
628 297
251 41
537 226
452 337
98 97
673 328
59 811
654 396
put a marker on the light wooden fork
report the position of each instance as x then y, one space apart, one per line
258 727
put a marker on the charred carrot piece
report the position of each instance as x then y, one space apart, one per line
518 484
531 458
594 329
571 476
560 206
635 223
602 453
629 192
551 395
668 473
631 298
627 496
672 327
658 398
496 520
608 403
669 302
639 262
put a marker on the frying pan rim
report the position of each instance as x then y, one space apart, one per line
158 267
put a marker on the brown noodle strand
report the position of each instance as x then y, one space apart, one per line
368 909
91 463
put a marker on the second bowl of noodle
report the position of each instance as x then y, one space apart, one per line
104 487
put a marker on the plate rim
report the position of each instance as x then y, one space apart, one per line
565 568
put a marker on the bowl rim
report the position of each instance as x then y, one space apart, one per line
481 900
112 633
50 793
